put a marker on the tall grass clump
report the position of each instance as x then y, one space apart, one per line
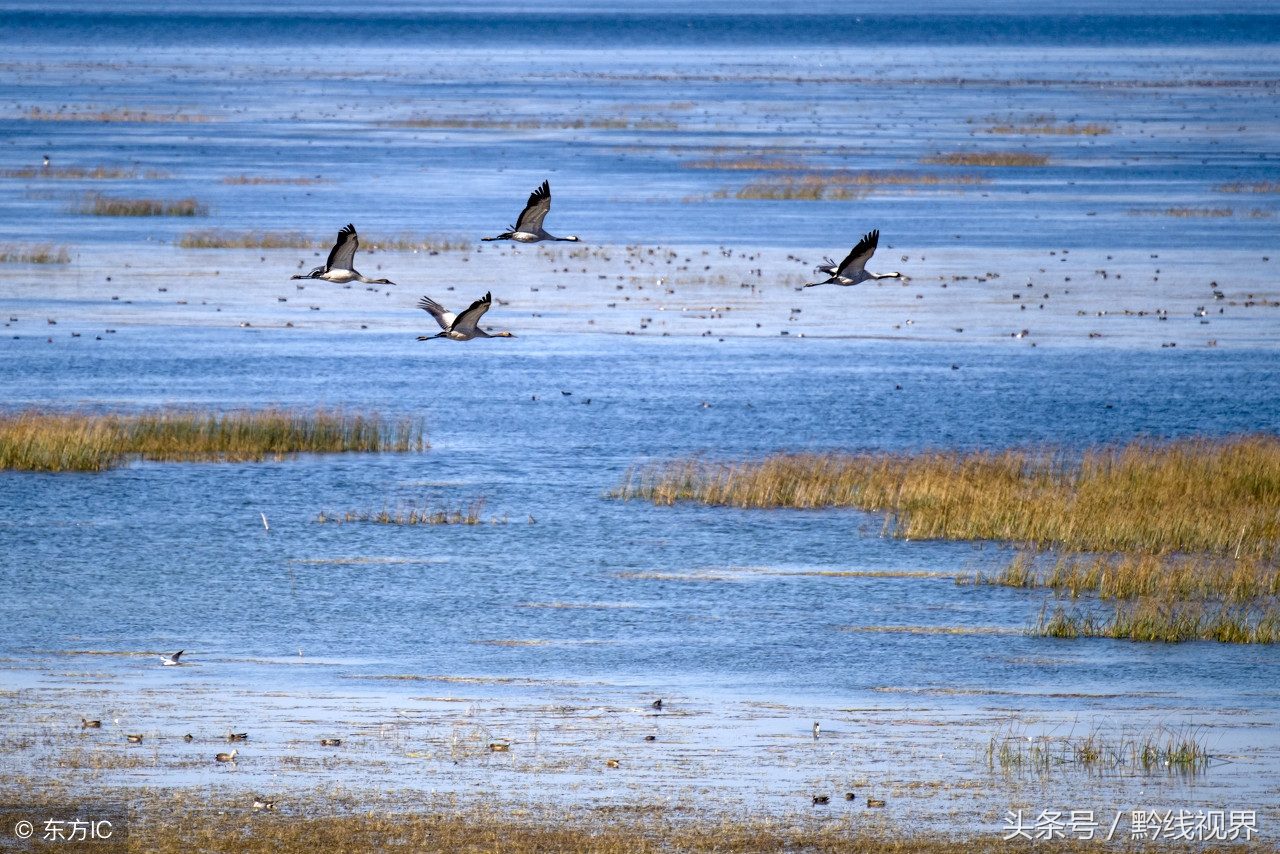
1164 620
1184 750
415 514
94 204
997 158
1190 495
219 239
38 253
1129 576
35 440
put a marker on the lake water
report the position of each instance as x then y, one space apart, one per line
557 629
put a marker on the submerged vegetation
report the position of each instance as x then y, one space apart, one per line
118 114
222 239
1249 187
260 179
36 253
838 185
1219 496
95 204
995 158
97 173
1051 129
415 514
218 239
35 440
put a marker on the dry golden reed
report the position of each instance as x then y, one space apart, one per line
259 179
94 204
995 158
1164 620
742 163
1129 576
1191 495
36 253
34 440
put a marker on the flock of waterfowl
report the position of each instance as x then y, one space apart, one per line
465 325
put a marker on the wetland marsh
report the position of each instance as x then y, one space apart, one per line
1035 177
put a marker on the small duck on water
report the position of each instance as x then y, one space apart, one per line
821 800
84 724
330 742
134 739
237 736
261 803
227 757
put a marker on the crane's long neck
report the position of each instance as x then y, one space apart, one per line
368 281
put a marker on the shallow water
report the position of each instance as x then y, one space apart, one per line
751 623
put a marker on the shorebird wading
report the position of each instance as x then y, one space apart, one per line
528 228
852 270
459 327
340 268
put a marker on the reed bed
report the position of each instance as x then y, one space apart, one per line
219 239
120 114
839 186
1183 750
414 514
1129 576
37 253
1220 496
97 173
994 158
34 440
1162 620
1249 187
1051 129
94 204
261 179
